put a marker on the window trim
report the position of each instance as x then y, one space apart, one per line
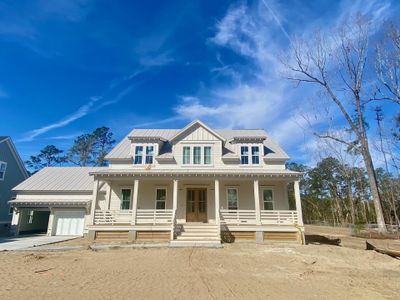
5 170
161 187
191 155
267 188
250 154
144 153
121 195
237 196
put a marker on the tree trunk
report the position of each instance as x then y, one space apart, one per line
369 166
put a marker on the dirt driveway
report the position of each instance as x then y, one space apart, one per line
238 271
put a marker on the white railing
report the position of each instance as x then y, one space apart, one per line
238 217
112 217
267 217
279 217
154 216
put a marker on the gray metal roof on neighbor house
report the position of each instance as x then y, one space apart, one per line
272 151
3 137
60 179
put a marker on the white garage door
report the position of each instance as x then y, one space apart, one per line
70 222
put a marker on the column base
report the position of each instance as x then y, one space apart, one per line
91 235
259 237
131 235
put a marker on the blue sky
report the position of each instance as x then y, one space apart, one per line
70 66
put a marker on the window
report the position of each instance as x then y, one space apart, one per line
30 217
232 195
126 198
196 155
149 154
186 155
3 167
207 155
255 155
11 210
161 198
244 155
268 199
138 155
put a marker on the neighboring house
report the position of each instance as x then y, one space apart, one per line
12 172
195 184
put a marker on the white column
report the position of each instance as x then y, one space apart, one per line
298 202
175 195
135 200
108 195
257 201
94 200
216 200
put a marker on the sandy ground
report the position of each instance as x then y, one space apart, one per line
238 271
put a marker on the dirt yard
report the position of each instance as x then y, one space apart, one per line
238 271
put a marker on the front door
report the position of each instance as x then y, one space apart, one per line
196 205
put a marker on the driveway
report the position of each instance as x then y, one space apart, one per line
26 242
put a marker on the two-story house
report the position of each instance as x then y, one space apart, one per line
12 172
189 185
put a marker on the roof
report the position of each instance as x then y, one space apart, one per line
15 153
198 124
272 150
60 179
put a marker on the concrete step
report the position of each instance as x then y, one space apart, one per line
185 233
197 238
195 244
199 230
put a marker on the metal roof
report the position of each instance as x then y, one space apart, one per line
273 151
60 179
3 137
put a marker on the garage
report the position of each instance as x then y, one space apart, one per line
69 222
34 221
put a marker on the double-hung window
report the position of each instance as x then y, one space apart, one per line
138 155
268 199
244 155
186 155
3 167
207 155
161 198
196 155
255 155
149 154
126 195
232 195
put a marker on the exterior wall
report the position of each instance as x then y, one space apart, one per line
13 177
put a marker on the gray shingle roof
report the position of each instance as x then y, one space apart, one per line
3 137
60 179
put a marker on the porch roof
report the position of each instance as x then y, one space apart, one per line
49 203
197 173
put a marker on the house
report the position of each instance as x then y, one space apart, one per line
12 172
194 184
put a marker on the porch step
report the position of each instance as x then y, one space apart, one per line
195 244
199 233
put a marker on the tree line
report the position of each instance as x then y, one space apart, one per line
88 149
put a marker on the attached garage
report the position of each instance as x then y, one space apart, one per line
33 220
69 222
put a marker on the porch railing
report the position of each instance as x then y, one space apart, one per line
154 216
279 217
238 217
143 216
112 217
267 217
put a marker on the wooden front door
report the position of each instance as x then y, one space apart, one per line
196 205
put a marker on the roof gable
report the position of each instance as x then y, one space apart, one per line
193 125
7 140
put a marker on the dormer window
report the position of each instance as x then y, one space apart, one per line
250 155
143 154
197 155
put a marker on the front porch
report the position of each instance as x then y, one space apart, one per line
183 208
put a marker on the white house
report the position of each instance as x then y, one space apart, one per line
195 184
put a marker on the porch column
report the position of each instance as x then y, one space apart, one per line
216 200
135 200
94 200
298 202
175 196
108 195
257 201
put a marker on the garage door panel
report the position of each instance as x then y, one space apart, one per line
70 222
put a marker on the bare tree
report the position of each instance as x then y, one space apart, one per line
337 64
